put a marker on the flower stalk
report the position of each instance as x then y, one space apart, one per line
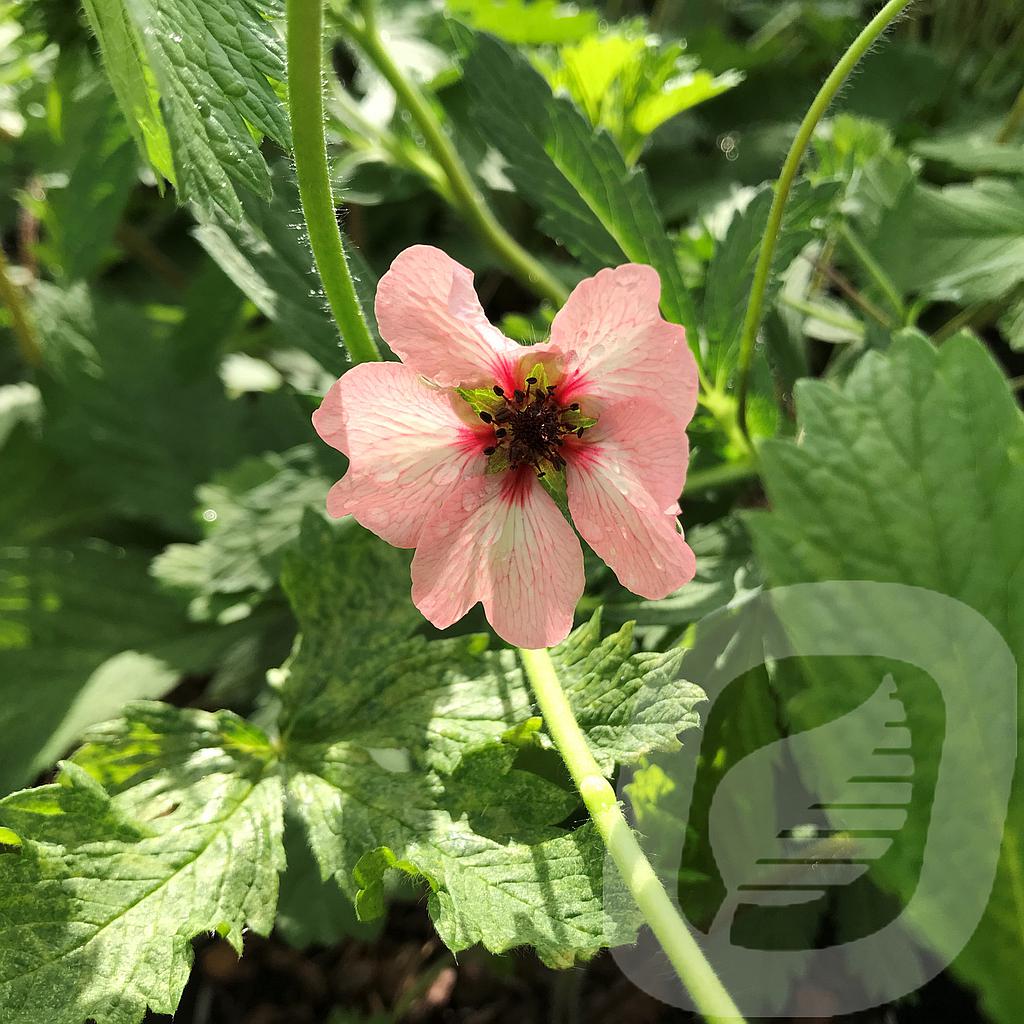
671 931
463 189
762 271
306 108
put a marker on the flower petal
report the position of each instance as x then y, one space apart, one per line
626 526
501 540
616 345
428 312
407 448
644 437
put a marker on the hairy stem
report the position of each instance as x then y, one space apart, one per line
657 907
21 325
306 107
467 196
762 271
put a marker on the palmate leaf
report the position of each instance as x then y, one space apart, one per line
590 201
407 753
375 766
912 474
101 896
194 80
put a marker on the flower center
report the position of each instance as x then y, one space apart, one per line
530 427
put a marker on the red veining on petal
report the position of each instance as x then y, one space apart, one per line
516 485
472 440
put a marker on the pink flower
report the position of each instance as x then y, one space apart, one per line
446 449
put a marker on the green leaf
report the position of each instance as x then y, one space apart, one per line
131 422
962 243
629 705
211 65
590 201
628 81
132 81
913 473
268 259
392 755
340 575
84 204
731 273
526 22
976 152
252 514
1011 323
104 895
82 632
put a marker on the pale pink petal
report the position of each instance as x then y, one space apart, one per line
626 526
429 313
615 344
644 438
501 540
407 448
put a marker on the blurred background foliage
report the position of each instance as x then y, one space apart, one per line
156 457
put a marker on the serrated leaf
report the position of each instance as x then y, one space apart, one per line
211 65
591 202
392 757
104 895
913 473
83 210
268 258
253 513
127 418
82 632
629 705
964 243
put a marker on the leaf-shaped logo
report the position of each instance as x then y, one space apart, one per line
799 843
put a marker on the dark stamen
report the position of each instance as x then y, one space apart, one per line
490 451
579 433
520 395
501 432
575 406
500 392
531 380
486 417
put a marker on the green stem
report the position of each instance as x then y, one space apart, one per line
306 106
467 196
21 324
874 269
838 75
676 939
1014 120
